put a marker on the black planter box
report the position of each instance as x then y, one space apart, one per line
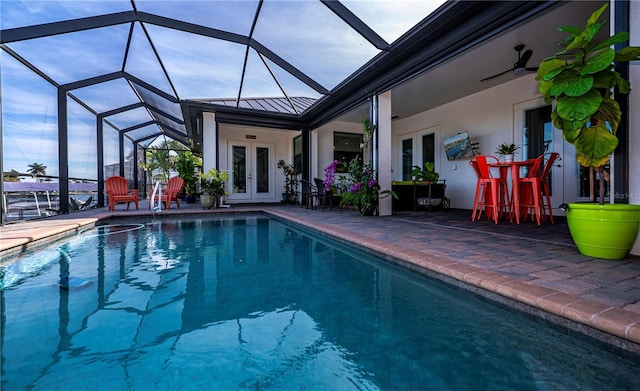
420 196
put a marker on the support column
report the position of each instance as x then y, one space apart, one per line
63 151
634 114
306 154
2 208
382 149
100 159
121 154
620 162
136 184
145 185
210 142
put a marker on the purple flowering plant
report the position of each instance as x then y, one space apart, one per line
362 189
330 175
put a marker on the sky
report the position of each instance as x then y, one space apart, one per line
304 33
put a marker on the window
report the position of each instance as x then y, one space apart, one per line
407 159
346 147
428 148
416 150
538 132
297 153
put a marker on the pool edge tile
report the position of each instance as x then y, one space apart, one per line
616 321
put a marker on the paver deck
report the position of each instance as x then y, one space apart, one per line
534 268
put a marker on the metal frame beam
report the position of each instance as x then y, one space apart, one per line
66 26
93 80
138 126
356 23
100 158
63 151
122 109
121 154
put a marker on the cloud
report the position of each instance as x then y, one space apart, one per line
78 55
399 15
108 95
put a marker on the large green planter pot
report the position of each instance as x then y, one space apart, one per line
604 231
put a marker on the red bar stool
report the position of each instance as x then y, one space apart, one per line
492 193
535 188
528 202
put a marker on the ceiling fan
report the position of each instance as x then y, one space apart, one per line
520 66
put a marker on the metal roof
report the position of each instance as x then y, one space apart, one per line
285 105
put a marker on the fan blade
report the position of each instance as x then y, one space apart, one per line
499 74
522 62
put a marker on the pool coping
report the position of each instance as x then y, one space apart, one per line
614 326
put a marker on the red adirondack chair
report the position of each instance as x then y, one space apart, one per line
174 185
118 191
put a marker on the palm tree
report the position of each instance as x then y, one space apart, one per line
37 169
11 176
159 158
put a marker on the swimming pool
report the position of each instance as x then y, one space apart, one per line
246 302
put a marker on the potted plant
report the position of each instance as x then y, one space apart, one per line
186 164
426 173
362 188
581 80
508 150
212 187
290 193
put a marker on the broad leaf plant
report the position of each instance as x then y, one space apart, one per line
581 79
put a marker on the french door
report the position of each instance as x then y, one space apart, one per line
252 172
533 125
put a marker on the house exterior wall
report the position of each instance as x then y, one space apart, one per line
280 140
488 116
384 155
209 140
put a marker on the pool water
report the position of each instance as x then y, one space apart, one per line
247 302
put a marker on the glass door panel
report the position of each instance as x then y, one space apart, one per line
533 120
251 177
239 164
262 170
428 148
407 159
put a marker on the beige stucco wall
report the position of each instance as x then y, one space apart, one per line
487 116
281 142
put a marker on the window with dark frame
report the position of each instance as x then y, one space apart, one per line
407 159
428 148
297 153
346 147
